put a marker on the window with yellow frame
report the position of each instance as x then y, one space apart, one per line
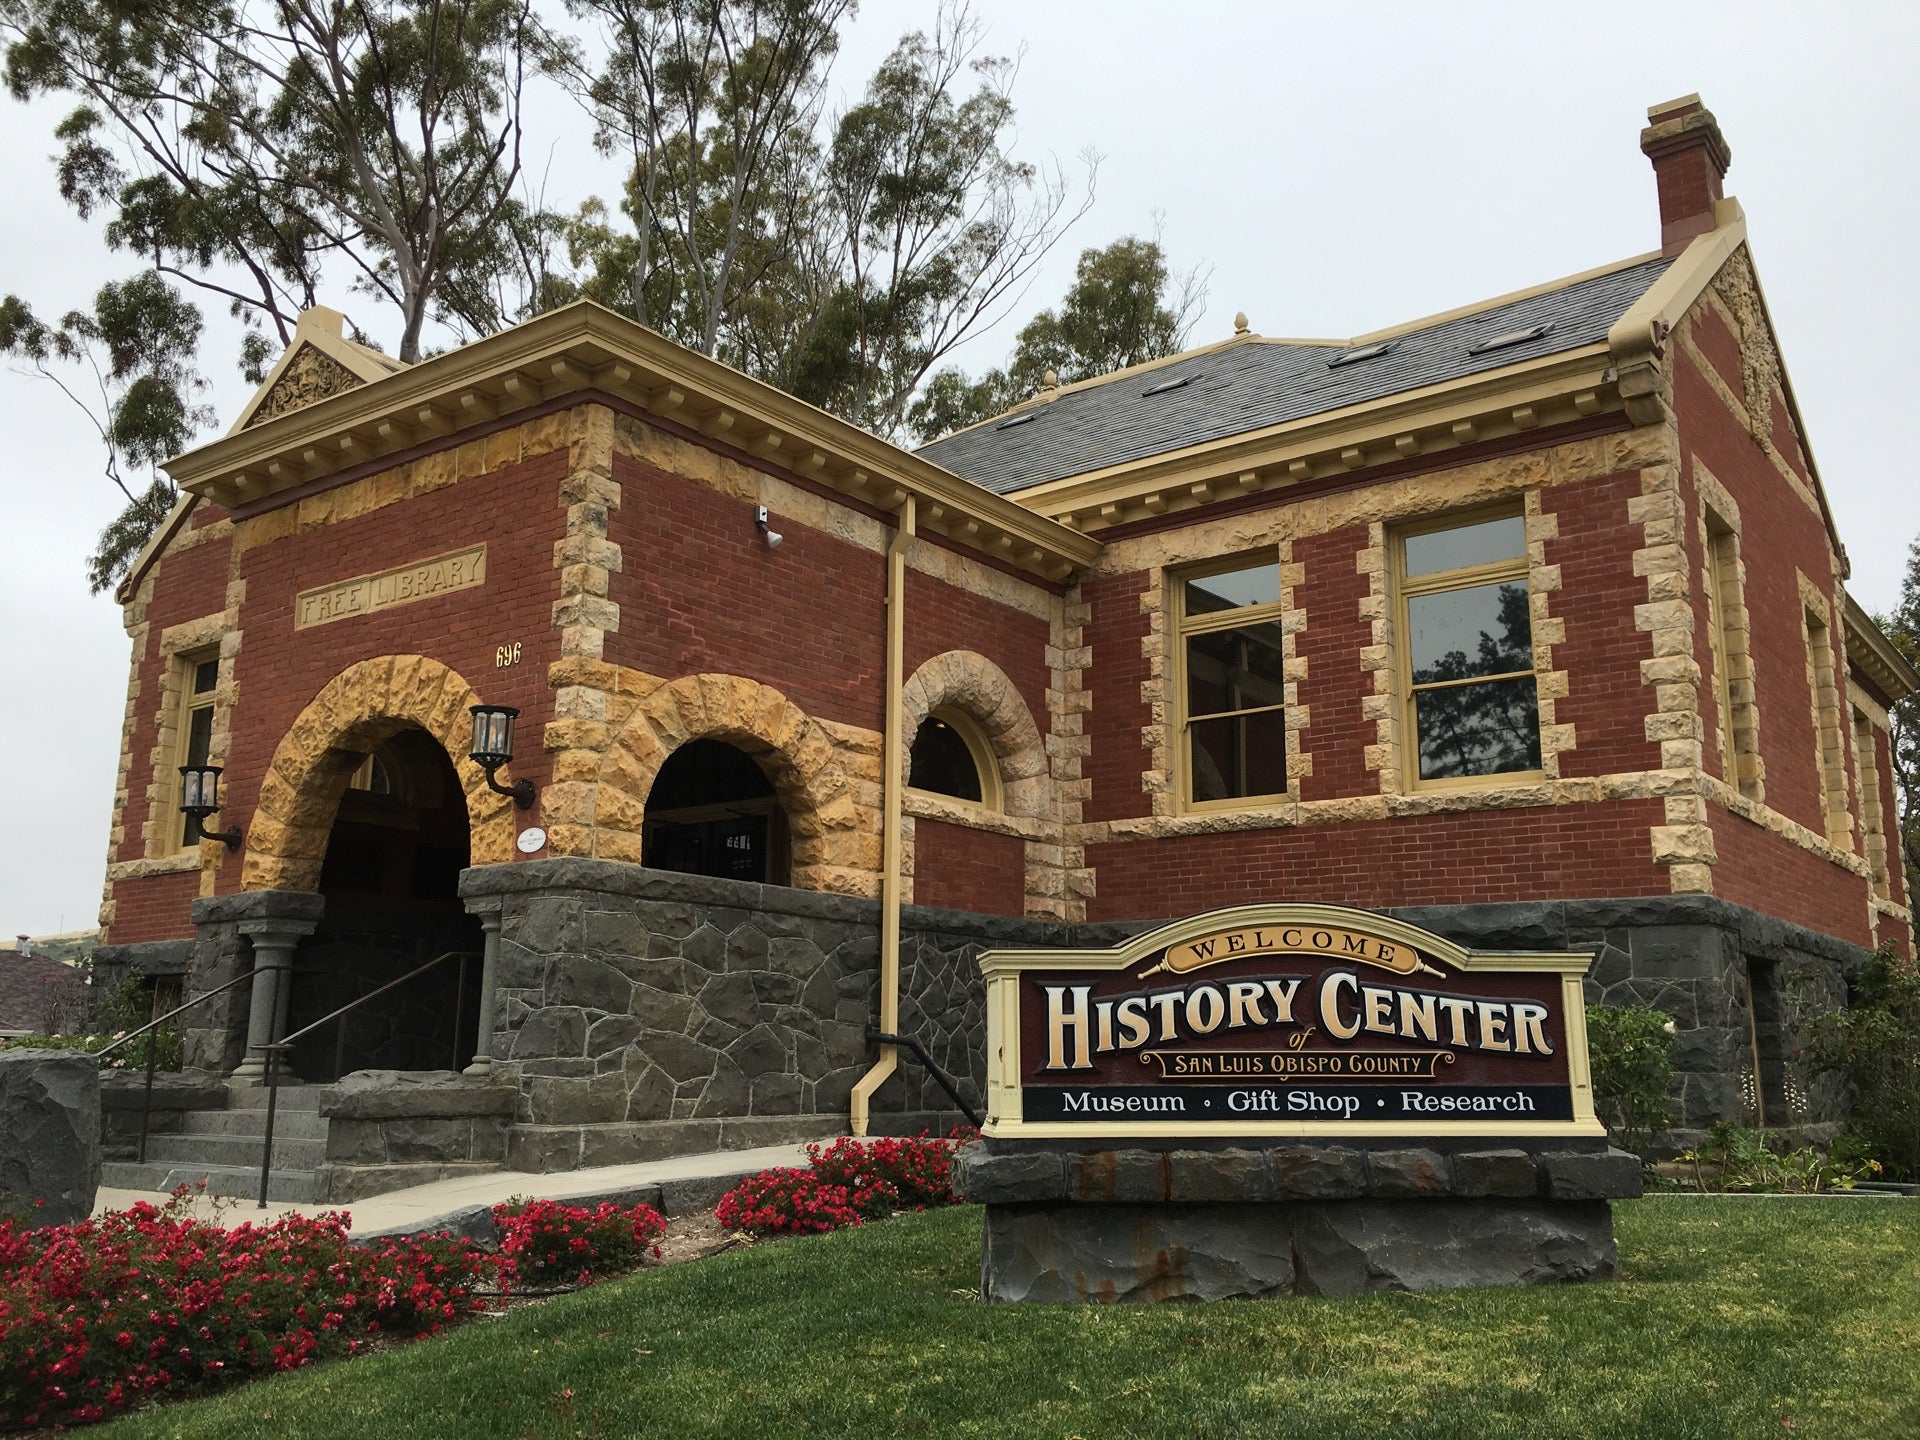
951 757
1231 682
199 679
1466 659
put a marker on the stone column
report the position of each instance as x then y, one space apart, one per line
273 945
489 913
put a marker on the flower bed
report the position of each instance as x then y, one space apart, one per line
150 1302
545 1243
846 1183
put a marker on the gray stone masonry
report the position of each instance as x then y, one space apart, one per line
214 1037
123 1094
1146 1253
642 1013
1144 1225
49 1135
988 1175
1735 981
410 1117
113 965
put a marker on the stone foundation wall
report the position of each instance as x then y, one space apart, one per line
1737 983
644 1013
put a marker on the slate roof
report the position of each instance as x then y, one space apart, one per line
1255 383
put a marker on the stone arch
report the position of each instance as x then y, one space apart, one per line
364 704
835 846
969 682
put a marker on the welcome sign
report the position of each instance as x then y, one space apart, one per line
1286 1020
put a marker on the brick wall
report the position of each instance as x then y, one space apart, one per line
188 585
962 869
1779 534
1559 852
1330 594
1776 877
191 584
1605 702
155 907
943 617
1113 725
515 510
700 591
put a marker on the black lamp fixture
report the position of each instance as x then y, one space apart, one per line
200 797
493 747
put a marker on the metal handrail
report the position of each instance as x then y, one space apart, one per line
279 1047
153 1051
920 1054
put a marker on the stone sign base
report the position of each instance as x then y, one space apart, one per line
1146 1225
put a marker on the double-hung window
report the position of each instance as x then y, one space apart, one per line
1232 683
1472 702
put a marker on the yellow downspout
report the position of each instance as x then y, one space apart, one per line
892 756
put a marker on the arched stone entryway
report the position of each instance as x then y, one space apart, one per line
370 803
356 711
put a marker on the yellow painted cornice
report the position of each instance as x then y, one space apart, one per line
584 350
1870 649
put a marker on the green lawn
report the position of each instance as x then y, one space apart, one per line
1736 1317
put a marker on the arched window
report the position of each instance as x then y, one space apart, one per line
951 757
713 811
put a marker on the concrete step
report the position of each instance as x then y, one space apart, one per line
297 1186
292 1097
289 1151
293 1124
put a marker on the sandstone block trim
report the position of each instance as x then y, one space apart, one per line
827 778
359 708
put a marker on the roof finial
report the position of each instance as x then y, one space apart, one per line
1050 380
1240 323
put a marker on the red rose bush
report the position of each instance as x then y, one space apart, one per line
149 1303
545 1243
846 1183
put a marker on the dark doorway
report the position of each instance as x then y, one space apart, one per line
713 811
399 842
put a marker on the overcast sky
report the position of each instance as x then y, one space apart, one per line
1339 167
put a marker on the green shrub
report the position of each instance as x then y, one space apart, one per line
1630 1051
1736 1158
1875 1044
164 1041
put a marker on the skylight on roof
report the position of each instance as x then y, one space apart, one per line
1016 420
1165 385
1370 352
1512 337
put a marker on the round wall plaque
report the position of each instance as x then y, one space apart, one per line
531 839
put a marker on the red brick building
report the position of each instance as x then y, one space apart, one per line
1528 620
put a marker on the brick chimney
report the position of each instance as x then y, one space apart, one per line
1690 158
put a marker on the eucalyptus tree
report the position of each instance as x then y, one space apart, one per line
255 150
837 256
1125 307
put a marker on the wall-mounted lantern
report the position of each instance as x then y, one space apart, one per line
493 747
200 797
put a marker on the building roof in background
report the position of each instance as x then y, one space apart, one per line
38 989
1250 382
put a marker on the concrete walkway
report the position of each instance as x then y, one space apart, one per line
681 1184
